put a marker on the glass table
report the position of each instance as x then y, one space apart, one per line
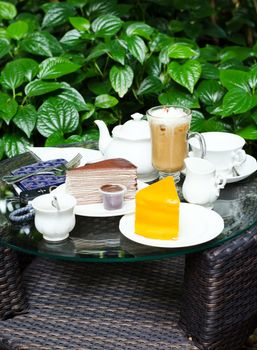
98 239
211 293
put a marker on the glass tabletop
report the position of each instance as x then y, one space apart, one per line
98 239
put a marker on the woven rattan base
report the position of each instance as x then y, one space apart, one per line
219 306
12 299
100 306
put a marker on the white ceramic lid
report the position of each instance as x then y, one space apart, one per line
133 129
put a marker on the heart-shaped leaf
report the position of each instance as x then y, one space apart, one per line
232 78
209 71
150 85
249 132
42 43
178 98
72 39
15 144
186 74
57 14
8 107
210 92
137 47
105 101
26 118
7 10
237 101
55 67
71 95
15 73
106 25
179 50
12 76
55 114
197 122
117 51
4 47
141 29
39 87
238 52
121 79
153 66
80 23
17 30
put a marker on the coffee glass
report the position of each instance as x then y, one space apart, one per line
169 127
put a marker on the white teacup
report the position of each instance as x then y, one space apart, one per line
223 149
54 223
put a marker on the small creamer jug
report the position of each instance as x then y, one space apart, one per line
202 185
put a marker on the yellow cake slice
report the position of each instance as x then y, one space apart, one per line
157 210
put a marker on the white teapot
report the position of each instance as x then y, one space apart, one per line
131 141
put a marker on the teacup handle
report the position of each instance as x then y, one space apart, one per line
238 157
201 140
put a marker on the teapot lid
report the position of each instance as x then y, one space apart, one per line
134 129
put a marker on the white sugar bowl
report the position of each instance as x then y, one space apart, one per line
54 215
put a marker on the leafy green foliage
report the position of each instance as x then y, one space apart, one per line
65 64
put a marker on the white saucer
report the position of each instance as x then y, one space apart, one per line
197 225
49 153
97 209
246 169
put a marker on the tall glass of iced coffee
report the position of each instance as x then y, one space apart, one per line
169 133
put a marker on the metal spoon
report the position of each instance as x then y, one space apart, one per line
55 203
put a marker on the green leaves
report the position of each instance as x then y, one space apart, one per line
105 101
106 25
15 144
7 10
186 74
56 14
26 118
177 50
8 107
17 30
80 23
57 115
121 79
210 92
15 73
137 47
56 67
238 101
41 43
39 87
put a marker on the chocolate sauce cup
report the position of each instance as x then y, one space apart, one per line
113 196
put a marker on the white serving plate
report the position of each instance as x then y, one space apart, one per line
197 225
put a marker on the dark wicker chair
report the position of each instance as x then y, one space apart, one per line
98 306
134 305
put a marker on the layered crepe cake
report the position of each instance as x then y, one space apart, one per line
84 182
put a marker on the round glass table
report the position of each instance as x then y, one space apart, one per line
98 239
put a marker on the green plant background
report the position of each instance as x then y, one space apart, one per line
64 64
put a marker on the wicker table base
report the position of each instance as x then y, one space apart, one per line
99 306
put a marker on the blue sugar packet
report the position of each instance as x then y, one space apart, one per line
38 181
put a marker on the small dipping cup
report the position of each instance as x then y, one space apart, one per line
113 196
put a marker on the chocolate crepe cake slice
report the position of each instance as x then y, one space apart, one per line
84 182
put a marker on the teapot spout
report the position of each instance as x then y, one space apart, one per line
104 135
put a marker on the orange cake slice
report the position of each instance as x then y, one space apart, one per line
157 210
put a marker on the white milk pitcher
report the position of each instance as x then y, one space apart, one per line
202 185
